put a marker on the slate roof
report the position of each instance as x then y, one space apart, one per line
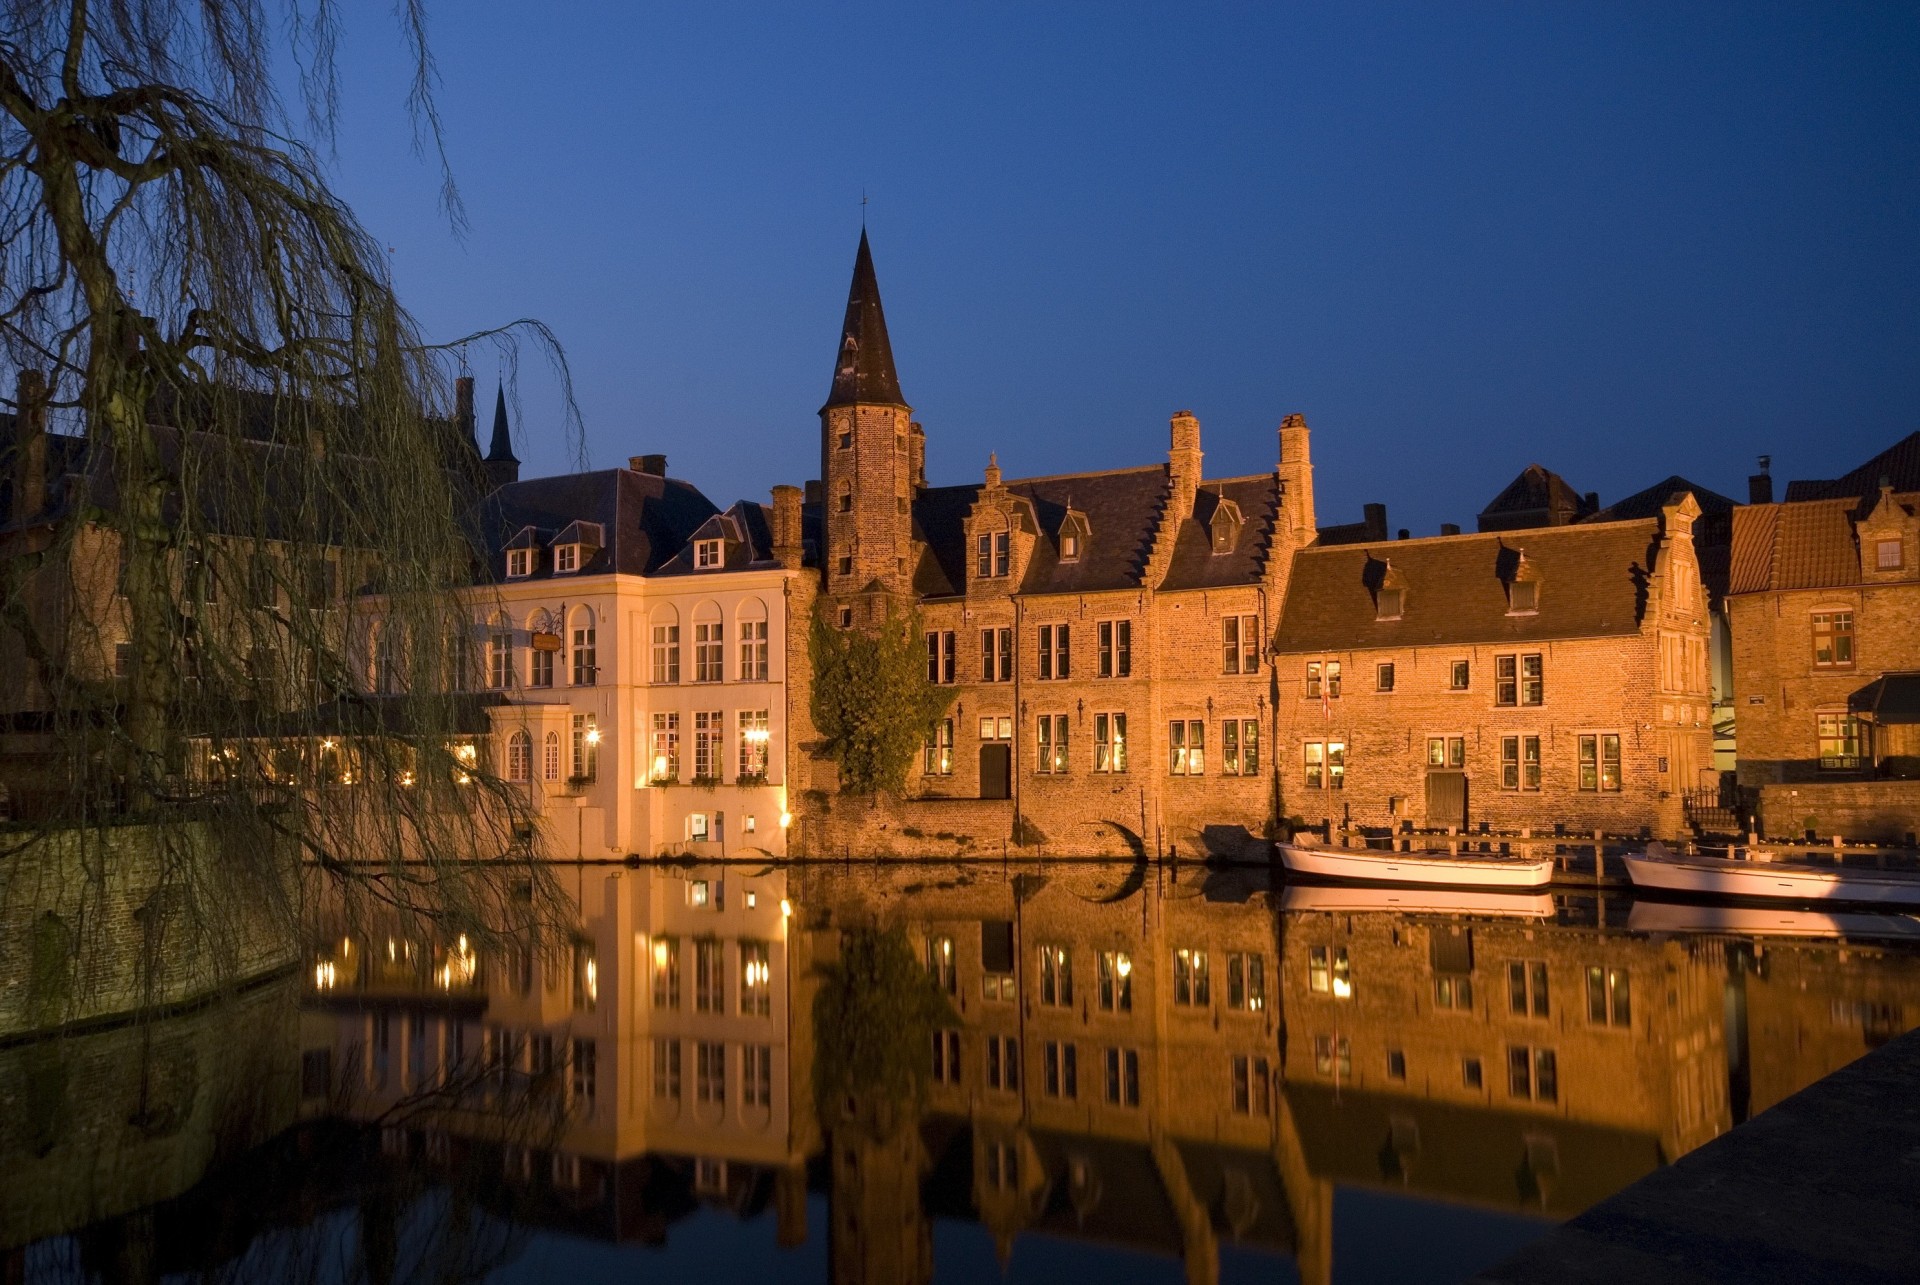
1899 463
1805 545
1195 565
863 365
1890 698
1592 583
646 519
1531 499
500 450
746 530
1648 503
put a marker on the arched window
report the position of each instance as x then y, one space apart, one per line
550 760
709 644
753 641
666 644
586 666
520 756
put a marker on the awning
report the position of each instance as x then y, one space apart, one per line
1890 698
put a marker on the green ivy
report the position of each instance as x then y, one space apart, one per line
875 1014
872 702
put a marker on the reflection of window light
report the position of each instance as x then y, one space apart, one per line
593 980
323 975
659 954
659 767
786 819
753 898
699 892
786 908
1124 965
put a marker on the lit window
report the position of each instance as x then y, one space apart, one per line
1186 747
1889 555
1832 639
1842 740
1609 1001
1069 547
1116 981
1051 741
1457 676
1191 988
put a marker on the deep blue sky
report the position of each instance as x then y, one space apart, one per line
1622 240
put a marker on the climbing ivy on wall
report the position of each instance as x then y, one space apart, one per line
872 703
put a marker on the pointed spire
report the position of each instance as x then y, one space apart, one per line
501 449
863 369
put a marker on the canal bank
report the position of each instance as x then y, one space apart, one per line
1823 1187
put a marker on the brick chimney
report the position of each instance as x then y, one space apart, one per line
1295 472
651 465
1183 462
1760 485
1374 520
30 446
786 526
463 410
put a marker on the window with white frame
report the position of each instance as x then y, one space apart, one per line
586 747
753 651
709 976
500 666
1110 742
1600 762
709 651
666 1070
665 765
550 760
519 563
1323 680
586 668
566 558
710 1072
708 738
755 741
666 651
756 1075
756 979
707 554
1520 762
520 756
1116 981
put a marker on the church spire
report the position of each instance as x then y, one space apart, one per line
863 369
501 449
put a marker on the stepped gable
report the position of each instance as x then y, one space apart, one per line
1899 465
1592 581
1712 531
645 519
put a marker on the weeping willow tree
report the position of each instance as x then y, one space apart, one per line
237 589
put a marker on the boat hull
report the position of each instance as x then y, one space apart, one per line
1442 869
1772 881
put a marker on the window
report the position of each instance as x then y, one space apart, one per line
542 675
1050 732
1458 674
1240 747
1520 763
1187 747
1003 1166
1446 751
993 554
666 748
1527 988
1470 1073
846 569
1383 677
996 655
460 670
1116 981
756 979
666 653
753 651
1060 1070
585 671
710 1072
940 656
845 440
1450 953
709 651
996 729
1246 982
1832 639
585 1070
706 554
1396 1064
666 1070
1326 765
1069 546
1056 977
566 558
1333 1056
1888 555
1842 741
1609 999
707 744
666 973
1387 605
1114 649
550 763
520 756
709 976
946 1057
1506 680
123 659
500 665
1252 1085
1190 984
1240 645
937 754
1054 653
1532 1073
1109 742
941 965
1523 597
1600 762
519 563
1123 1077
1003 1063
1319 970
1532 683
586 747
755 741
756 1075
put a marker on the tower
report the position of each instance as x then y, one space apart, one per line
866 454
502 468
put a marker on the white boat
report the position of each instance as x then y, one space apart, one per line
1758 875
1769 921
1378 865
1353 899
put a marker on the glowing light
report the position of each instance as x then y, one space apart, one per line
786 908
786 819
463 943
659 767
1124 966
1342 988
593 736
753 900
659 954
326 745
593 981
323 975
758 735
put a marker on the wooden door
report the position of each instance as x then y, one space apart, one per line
1446 798
996 770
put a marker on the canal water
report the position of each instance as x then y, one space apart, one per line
890 1073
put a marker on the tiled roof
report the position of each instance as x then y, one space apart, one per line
646 519
1899 464
1805 545
1592 582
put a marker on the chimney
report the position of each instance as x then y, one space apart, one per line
1404 534
816 492
1449 528
992 475
1590 503
651 465
1183 461
30 446
786 526
917 457
463 410
1760 485
1295 474
1376 521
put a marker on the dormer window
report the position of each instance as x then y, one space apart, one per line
1226 527
519 563
1523 597
993 554
707 554
1073 535
1389 604
566 558
1069 547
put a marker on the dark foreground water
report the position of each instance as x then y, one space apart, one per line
893 1074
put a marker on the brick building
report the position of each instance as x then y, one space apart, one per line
1825 605
1517 677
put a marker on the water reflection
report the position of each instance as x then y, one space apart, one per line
1187 1069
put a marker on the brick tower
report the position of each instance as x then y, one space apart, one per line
866 460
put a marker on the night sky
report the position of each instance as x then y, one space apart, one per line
1621 240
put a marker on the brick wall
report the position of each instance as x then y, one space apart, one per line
1860 811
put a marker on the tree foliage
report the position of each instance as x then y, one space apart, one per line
875 1014
872 702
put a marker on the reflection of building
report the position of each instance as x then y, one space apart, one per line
1826 624
1812 1007
632 1070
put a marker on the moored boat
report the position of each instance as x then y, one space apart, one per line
1450 869
1659 869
